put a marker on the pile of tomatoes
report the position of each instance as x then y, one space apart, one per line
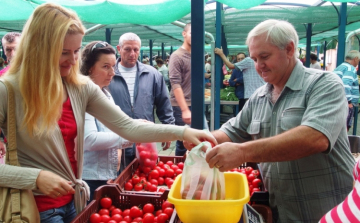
253 177
160 174
145 214
147 155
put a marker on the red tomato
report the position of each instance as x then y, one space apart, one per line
181 165
147 186
161 173
106 202
138 219
146 169
154 174
169 163
162 218
169 172
116 211
144 155
140 148
105 218
250 177
167 180
152 188
256 183
158 212
170 183
166 204
174 167
104 212
128 186
95 218
154 182
116 217
256 173
111 208
138 187
123 221
148 208
166 167
160 164
127 219
135 179
135 212
168 211
112 221
160 181
126 212
157 168
197 195
162 189
248 170
148 218
178 171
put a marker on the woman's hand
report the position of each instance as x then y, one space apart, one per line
193 137
53 185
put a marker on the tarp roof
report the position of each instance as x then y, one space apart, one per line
151 19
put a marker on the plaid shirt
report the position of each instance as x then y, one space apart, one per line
301 190
252 79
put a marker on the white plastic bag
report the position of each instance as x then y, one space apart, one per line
199 181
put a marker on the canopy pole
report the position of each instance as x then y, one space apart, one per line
308 43
150 56
341 34
324 60
163 55
197 64
108 35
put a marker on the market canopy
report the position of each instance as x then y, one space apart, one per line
151 19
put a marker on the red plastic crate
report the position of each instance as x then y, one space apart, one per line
120 200
127 173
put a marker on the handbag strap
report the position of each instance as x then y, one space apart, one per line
12 157
11 153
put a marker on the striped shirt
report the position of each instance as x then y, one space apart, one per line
129 75
349 209
252 79
301 190
347 73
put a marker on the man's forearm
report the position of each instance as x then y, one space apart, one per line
180 99
294 144
220 136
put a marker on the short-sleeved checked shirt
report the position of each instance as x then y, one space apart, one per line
252 79
302 190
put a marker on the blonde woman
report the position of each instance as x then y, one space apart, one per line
52 98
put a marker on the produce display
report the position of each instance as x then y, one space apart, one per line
253 177
228 94
142 213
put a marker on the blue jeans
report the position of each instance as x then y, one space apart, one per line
62 214
180 149
94 184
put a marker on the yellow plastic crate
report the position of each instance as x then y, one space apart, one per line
213 211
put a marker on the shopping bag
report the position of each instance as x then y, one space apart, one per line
199 181
16 206
147 155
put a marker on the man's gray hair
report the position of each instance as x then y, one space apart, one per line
279 32
352 54
10 37
129 36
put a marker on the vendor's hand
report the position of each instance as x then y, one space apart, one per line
193 137
2 149
53 185
225 156
351 105
186 116
165 145
218 51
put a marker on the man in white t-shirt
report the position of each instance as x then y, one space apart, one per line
314 63
138 89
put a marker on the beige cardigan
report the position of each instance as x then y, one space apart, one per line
48 152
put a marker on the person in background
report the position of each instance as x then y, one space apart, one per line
9 42
236 80
138 89
208 65
180 79
313 62
293 126
51 100
252 80
347 72
102 147
145 61
164 71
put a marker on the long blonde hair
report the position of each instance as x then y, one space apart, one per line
36 65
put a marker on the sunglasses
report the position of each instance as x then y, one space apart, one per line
99 45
